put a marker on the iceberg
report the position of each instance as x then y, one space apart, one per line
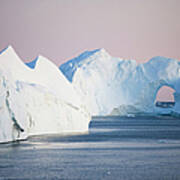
110 85
36 98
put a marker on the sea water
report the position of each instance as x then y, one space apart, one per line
129 148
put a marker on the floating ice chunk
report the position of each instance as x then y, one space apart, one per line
37 100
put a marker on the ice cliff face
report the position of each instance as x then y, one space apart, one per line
107 83
37 99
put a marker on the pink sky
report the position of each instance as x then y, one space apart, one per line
61 29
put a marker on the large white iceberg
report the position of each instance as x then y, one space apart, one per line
37 99
113 85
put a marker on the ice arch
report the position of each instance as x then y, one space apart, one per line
153 88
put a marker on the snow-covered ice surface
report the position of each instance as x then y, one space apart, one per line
37 99
118 148
115 86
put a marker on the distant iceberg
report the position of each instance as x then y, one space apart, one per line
110 85
36 98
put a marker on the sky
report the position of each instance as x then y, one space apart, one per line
62 29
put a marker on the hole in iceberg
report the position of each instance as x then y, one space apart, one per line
165 97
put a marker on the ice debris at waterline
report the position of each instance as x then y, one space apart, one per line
37 99
110 85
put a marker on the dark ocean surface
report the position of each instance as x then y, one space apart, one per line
125 148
